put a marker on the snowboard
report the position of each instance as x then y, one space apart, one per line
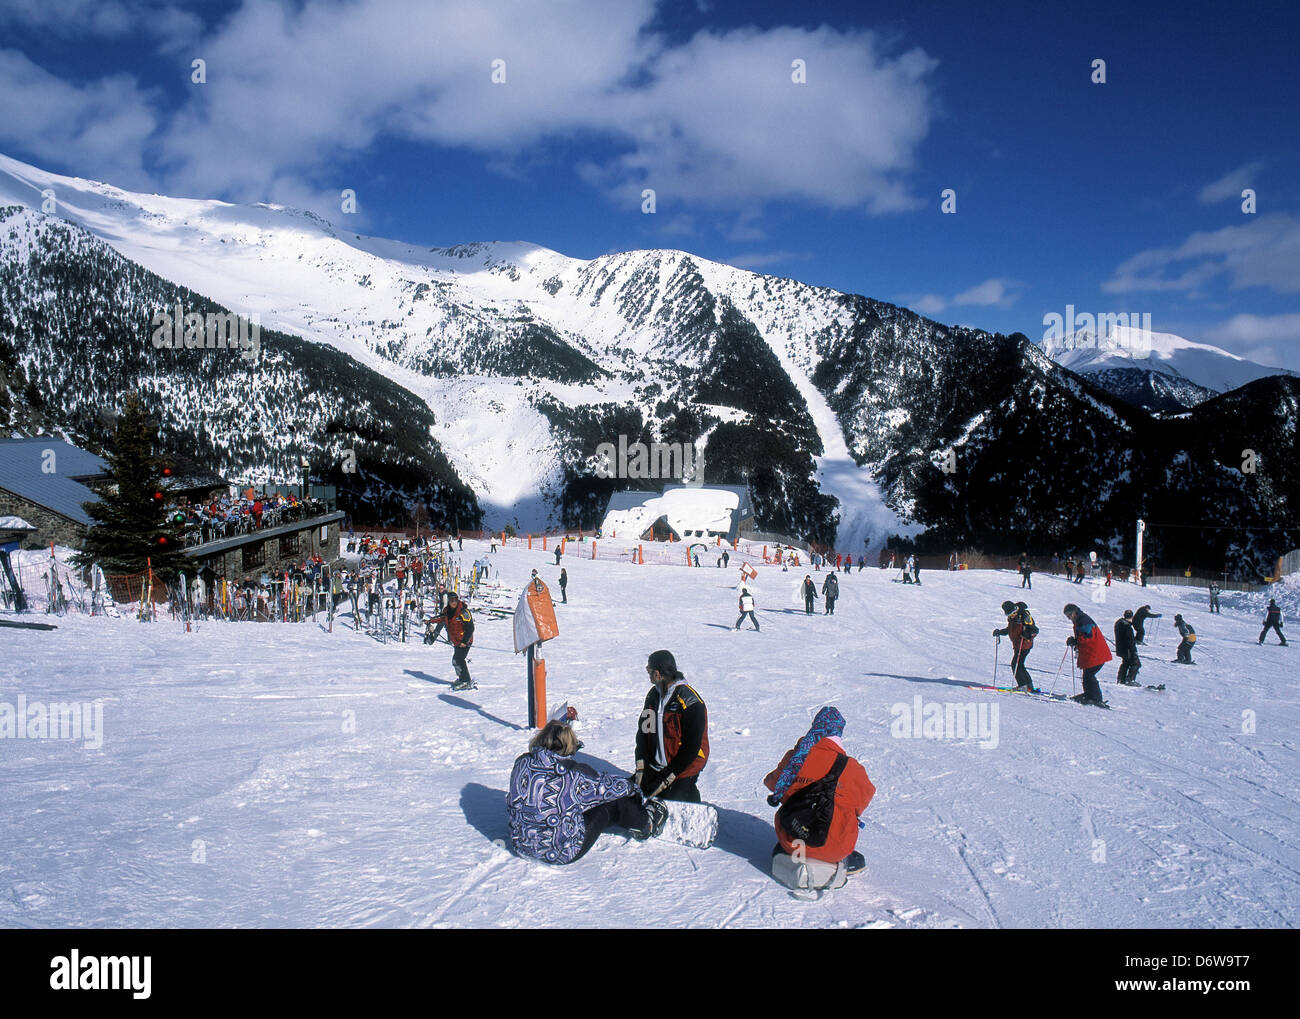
690 824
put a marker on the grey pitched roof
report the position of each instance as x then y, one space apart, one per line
21 461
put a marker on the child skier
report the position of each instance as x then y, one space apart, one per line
1092 651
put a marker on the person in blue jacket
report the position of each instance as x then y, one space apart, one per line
558 806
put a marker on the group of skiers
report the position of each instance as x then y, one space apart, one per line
558 806
1092 650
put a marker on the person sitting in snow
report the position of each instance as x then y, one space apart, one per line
808 853
558 806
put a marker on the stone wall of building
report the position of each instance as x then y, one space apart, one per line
50 526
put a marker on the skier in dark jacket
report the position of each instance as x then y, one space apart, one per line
672 741
1026 573
831 589
564 587
558 552
1184 654
1093 653
1273 621
460 631
1126 648
809 595
1140 618
746 603
916 570
1022 630
558 806
1215 591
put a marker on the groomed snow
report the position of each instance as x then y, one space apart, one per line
231 746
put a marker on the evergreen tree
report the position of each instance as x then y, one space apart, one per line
131 521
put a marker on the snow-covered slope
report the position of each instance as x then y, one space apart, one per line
1125 359
459 326
276 775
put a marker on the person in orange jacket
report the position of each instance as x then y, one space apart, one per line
812 759
1093 651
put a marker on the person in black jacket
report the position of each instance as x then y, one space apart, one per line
1140 618
1126 648
831 589
672 741
564 587
1273 621
809 595
1184 654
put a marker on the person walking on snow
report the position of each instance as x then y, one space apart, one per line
1185 630
831 589
819 762
1126 648
1093 653
1273 621
1140 618
809 594
564 587
1022 630
746 608
1026 572
672 741
558 552
1214 600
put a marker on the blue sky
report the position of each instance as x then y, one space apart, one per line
1115 197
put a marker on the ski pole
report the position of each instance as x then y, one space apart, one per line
996 648
1073 687
1058 669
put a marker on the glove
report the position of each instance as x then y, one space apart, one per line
774 800
1071 642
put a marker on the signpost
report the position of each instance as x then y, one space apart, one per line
534 624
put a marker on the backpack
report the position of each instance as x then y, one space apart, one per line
1029 627
807 814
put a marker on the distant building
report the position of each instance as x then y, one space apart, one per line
681 513
45 481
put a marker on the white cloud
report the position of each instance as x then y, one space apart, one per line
1258 329
1263 252
997 292
758 260
1231 184
715 121
926 304
99 131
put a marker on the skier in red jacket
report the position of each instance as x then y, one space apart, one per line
809 761
1093 651
1022 630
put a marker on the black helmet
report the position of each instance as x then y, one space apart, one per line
1008 607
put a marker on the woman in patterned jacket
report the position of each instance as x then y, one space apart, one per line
558 806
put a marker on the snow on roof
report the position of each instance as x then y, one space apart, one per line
686 510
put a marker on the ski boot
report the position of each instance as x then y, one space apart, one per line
854 863
658 817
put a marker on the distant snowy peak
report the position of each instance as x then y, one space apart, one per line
1121 357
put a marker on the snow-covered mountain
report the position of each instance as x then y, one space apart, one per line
851 419
1157 371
